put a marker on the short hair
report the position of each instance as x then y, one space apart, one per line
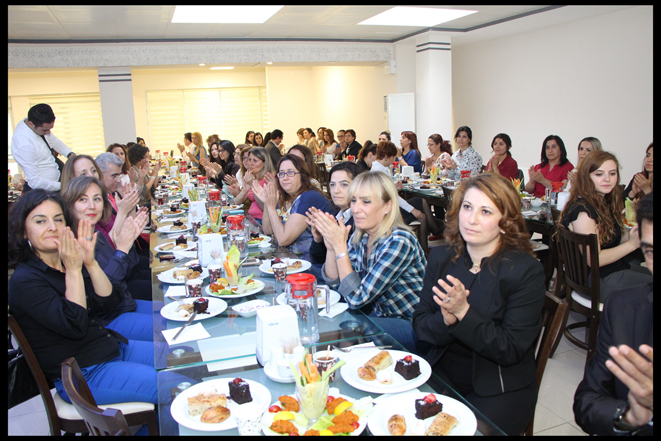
385 149
506 199
129 145
506 139
645 211
352 131
138 139
468 131
368 147
76 188
104 159
338 132
306 179
309 158
137 153
563 150
263 155
380 186
300 131
277 133
351 168
18 248
387 133
40 114
213 138
188 136
68 169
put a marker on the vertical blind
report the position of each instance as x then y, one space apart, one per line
229 113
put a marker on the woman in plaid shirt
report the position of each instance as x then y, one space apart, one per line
382 265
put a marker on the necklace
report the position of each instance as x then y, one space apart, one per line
476 266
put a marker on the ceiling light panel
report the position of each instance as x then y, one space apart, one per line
223 14
410 16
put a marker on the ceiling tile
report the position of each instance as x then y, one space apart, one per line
29 14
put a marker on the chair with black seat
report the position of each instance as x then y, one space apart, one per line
322 175
580 278
521 178
62 416
447 194
100 422
554 317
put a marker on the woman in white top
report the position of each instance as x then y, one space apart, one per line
329 141
441 151
311 141
586 146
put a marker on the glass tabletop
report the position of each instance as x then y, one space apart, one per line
189 376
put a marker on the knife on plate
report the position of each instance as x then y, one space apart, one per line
190 320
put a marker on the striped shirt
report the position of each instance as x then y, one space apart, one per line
391 276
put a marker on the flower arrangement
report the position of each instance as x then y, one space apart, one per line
517 185
215 218
433 173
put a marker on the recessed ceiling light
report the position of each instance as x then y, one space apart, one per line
409 16
202 64
223 14
222 68
269 62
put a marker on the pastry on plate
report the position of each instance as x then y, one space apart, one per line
203 401
397 425
215 415
442 425
380 361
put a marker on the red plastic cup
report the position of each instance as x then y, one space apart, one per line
214 195
465 174
351 158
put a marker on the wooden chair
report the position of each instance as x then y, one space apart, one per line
421 235
579 277
554 317
322 175
62 416
108 422
447 193
521 177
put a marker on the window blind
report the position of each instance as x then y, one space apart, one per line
78 121
228 112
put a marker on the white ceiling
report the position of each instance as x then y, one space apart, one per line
336 22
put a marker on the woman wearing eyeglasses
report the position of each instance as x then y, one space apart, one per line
286 199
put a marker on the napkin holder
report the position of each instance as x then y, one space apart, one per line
206 244
197 212
328 159
407 170
173 171
563 197
275 325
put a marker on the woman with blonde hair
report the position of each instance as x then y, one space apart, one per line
481 305
382 264
199 153
585 146
595 207
260 164
301 138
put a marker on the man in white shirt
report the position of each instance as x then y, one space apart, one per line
188 141
32 147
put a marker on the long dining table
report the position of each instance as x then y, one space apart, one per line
226 346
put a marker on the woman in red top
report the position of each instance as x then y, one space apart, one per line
502 162
553 168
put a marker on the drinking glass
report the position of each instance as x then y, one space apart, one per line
280 273
312 399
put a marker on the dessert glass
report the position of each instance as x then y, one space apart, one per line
312 399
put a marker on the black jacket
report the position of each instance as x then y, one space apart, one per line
274 153
353 149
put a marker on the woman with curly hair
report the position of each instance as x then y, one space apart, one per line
595 207
481 303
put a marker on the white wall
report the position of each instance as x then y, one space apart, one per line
589 77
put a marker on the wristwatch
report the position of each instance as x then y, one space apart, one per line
619 423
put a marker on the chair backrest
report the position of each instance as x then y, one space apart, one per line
521 178
578 275
37 373
108 422
447 193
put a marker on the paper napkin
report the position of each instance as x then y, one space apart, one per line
191 333
176 291
335 309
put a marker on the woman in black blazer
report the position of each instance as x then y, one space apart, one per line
480 307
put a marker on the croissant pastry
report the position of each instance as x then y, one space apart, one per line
366 373
397 425
216 414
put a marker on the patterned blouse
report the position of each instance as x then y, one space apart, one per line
439 163
468 160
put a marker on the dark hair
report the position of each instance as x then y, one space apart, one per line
644 211
129 145
368 147
211 158
137 153
468 131
351 168
411 136
248 141
306 179
138 139
563 150
445 145
255 138
41 114
228 146
506 139
188 136
277 133
352 131
18 248
385 149
387 133
309 159
75 189
68 170
127 163
312 133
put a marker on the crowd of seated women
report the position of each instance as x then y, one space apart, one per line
472 308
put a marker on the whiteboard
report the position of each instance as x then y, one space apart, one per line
401 114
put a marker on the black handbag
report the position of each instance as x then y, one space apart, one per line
22 385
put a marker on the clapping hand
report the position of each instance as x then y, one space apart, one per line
334 232
70 251
643 184
449 163
311 222
429 163
126 236
454 301
535 175
87 240
181 147
231 180
637 373
126 204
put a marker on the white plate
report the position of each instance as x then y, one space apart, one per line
182 213
350 373
192 246
166 229
167 276
334 298
378 419
266 241
249 309
233 207
271 371
239 295
266 266
267 419
179 407
216 306
431 187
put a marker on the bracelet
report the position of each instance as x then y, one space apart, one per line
341 255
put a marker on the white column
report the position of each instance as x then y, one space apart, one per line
116 90
433 91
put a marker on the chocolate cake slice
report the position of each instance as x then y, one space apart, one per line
240 391
427 407
180 240
408 368
200 305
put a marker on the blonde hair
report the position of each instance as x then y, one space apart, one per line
198 136
379 185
